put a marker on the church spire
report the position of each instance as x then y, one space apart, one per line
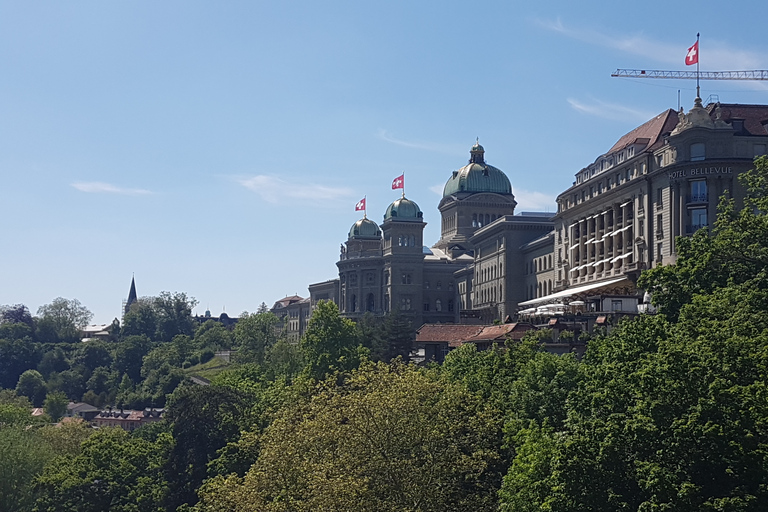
132 297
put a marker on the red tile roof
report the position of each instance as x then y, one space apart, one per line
755 116
457 335
514 331
446 332
649 133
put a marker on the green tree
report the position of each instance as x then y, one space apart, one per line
174 315
284 359
141 319
67 437
91 355
391 438
129 356
330 343
213 335
52 361
32 385
55 405
255 334
62 320
112 472
202 419
23 454
16 356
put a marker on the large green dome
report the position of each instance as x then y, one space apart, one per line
365 228
403 209
477 176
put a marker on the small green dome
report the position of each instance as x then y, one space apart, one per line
403 209
365 228
477 176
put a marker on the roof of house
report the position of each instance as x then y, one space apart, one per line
446 332
80 407
755 116
457 335
649 134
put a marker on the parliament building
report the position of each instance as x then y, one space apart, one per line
620 216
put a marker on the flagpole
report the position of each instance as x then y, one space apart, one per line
403 185
698 58
365 210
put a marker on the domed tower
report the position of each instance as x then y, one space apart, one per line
361 270
474 196
403 252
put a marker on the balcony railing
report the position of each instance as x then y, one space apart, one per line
697 198
692 228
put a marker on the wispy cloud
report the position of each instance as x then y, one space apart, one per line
98 187
424 146
275 190
715 54
612 111
528 201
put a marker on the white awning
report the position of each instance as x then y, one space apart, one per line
621 257
572 291
589 241
573 247
622 229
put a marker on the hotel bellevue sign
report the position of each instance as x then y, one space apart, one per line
696 172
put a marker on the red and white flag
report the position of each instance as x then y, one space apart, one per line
360 206
399 182
692 57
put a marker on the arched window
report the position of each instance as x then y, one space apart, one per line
487 219
353 304
438 305
369 303
450 305
474 220
412 241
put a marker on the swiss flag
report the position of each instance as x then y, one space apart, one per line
360 206
399 182
692 57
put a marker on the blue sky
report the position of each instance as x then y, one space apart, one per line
219 148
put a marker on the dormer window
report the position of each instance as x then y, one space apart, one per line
697 152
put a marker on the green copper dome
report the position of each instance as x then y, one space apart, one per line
477 176
364 228
403 209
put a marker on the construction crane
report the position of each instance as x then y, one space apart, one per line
757 74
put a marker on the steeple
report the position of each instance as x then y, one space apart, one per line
132 297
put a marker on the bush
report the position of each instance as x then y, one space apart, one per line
206 355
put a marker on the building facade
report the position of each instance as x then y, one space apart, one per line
474 269
658 182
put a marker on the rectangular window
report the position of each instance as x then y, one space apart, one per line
426 306
697 152
659 197
698 218
616 305
699 191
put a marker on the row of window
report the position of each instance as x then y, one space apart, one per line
479 220
539 264
543 289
